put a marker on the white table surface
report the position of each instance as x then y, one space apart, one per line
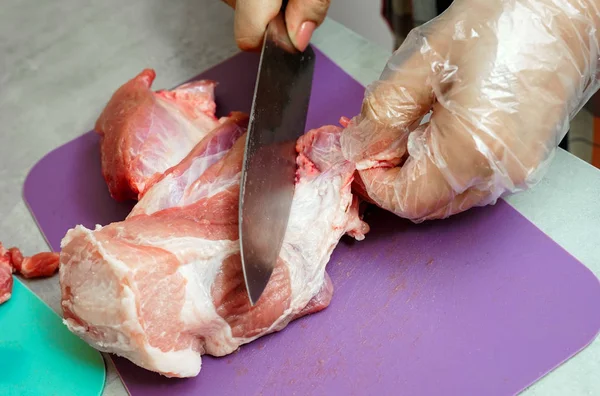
61 60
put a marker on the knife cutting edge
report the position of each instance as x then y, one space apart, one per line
277 120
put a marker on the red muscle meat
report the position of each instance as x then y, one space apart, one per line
39 265
12 260
6 279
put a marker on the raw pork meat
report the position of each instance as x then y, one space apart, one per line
144 133
165 286
6 279
37 266
11 260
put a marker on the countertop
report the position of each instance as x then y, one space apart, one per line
60 62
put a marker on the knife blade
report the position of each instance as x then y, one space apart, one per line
277 120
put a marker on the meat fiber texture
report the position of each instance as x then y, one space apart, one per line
166 285
144 133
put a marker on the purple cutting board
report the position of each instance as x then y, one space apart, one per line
482 303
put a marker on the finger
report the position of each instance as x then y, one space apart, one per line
302 18
392 107
251 20
416 189
446 172
463 202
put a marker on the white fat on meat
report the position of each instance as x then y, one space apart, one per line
165 286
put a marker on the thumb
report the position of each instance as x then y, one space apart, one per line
302 18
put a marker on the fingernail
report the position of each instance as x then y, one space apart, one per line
304 34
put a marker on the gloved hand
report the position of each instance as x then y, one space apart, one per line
502 78
302 17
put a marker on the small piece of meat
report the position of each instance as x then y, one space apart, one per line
6 279
39 265
166 285
144 133
16 258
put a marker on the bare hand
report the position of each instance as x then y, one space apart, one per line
252 17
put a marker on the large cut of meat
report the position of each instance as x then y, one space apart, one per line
144 133
165 286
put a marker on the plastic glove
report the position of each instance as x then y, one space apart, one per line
501 78
302 17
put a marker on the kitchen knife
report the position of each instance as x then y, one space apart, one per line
277 120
